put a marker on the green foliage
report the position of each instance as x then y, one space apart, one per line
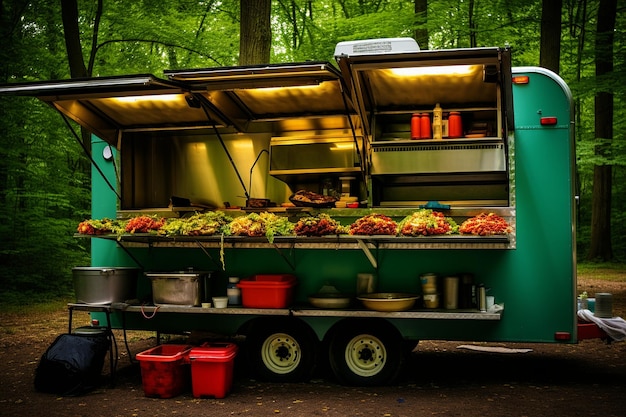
16 303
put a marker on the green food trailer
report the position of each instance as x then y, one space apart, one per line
334 142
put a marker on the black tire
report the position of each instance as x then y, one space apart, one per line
281 351
366 353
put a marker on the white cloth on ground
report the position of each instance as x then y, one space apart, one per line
493 349
615 327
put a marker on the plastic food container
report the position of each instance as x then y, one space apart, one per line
267 291
212 369
165 370
220 302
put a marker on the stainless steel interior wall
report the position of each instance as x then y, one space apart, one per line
194 165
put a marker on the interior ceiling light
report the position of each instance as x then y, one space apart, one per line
342 146
153 97
271 90
435 70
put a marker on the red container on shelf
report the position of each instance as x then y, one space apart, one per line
165 370
455 126
267 291
212 369
425 126
415 126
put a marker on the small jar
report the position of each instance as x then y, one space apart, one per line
233 292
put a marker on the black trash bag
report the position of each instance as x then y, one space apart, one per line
72 364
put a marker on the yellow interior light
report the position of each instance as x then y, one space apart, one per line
341 146
153 97
435 70
272 90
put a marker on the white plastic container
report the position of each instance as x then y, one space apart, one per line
220 302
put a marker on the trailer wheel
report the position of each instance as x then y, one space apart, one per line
283 351
366 353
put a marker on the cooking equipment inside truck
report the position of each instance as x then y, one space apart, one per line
470 170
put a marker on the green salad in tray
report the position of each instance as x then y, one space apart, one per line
260 224
427 222
199 224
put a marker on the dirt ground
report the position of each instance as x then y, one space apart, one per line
586 379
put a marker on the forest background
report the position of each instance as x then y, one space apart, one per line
45 175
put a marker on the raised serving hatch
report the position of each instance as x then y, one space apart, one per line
389 88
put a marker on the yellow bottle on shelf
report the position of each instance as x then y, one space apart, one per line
437 122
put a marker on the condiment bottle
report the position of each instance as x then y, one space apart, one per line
437 122
425 126
233 292
415 126
482 298
455 127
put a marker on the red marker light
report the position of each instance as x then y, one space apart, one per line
562 336
548 121
521 79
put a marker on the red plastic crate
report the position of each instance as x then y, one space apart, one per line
270 291
590 331
212 369
165 370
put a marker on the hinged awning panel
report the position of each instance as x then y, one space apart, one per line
270 92
230 96
414 81
105 106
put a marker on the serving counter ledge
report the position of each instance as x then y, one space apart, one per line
298 311
311 242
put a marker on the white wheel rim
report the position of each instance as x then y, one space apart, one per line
281 353
365 355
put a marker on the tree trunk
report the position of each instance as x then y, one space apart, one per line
255 35
472 24
69 13
550 44
421 19
600 247
94 38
